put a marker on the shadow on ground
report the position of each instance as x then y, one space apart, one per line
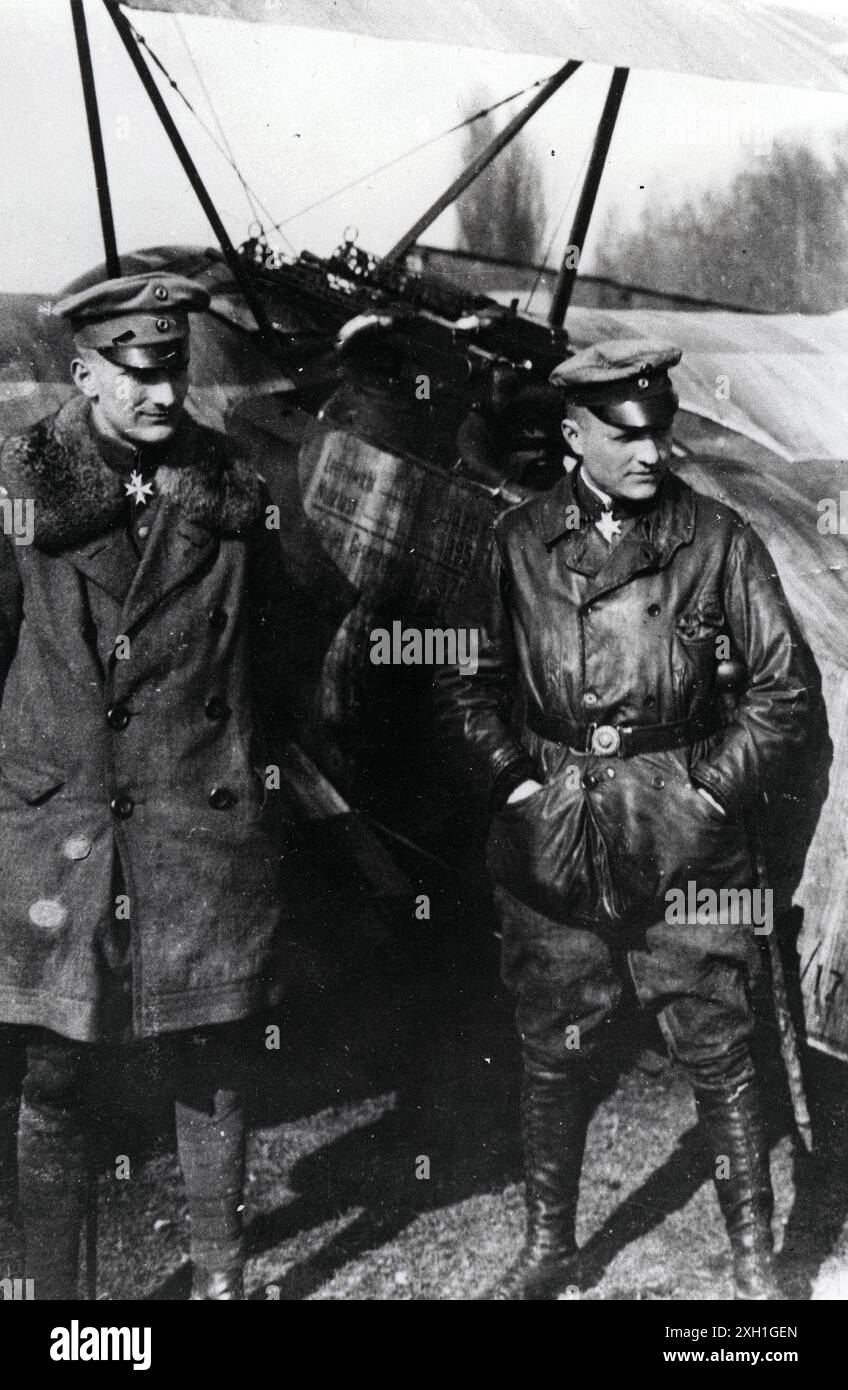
385 1161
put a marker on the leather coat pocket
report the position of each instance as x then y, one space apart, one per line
662 834
695 656
703 621
545 851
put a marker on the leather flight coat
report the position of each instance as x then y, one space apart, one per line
626 637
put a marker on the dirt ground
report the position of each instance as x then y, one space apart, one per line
397 1060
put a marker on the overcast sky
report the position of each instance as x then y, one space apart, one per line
305 112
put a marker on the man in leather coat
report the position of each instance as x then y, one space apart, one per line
593 723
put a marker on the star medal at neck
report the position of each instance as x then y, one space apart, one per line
608 525
601 509
138 488
609 515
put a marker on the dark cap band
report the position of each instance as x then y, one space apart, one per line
624 382
136 321
654 412
169 357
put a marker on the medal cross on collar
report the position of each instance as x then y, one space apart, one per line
608 526
138 488
606 523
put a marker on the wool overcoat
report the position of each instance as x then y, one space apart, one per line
143 700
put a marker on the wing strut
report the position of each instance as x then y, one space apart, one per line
480 162
231 255
95 135
589 192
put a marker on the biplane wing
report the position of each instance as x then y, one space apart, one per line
741 42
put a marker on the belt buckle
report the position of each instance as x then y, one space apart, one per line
606 740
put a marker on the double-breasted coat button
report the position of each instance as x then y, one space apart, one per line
121 806
117 716
217 618
653 609
590 780
216 707
590 698
221 798
659 783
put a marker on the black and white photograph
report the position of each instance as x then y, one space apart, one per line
424 661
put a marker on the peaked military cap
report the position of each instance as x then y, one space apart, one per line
624 382
136 320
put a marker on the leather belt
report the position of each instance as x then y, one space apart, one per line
618 740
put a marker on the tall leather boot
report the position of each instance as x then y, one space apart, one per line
9 1106
11 1240
52 1185
554 1121
211 1147
733 1126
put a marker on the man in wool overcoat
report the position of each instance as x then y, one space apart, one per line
142 654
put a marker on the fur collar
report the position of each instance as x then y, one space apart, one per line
77 496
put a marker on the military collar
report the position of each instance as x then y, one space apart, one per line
591 500
588 491
124 458
668 524
77 496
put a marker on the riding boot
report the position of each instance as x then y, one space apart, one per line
9 1106
52 1185
554 1120
733 1126
211 1146
11 1239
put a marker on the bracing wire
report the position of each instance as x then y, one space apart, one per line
407 154
225 150
543 265
250 193
251 201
